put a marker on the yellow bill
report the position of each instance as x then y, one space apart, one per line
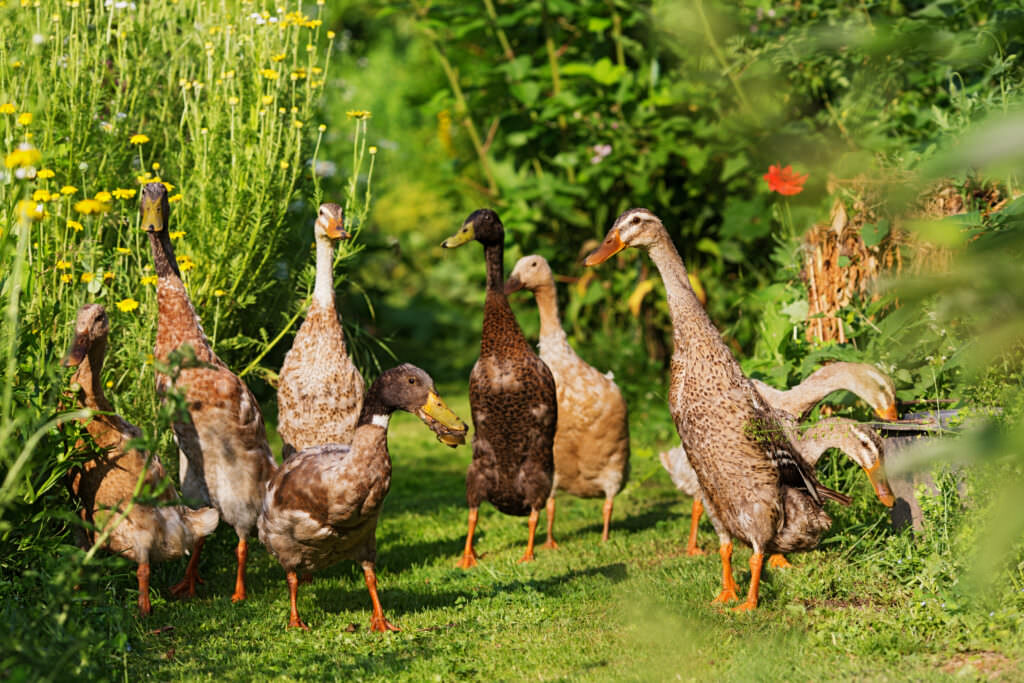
465 234
450 430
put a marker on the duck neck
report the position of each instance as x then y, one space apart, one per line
501 329
372 428
323 290
684 308
547 306
87 377
494 255
163 257
174 307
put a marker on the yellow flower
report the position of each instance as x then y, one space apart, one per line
138 139
373 149
122 250
87 278
156 166
284 164
45 173
66 277
90 206
321 128
297 123
309 47
166 185
174 198
25 118
232 101
23 157
103 196
267 99
75 225
219 292
41 196
268 74
30 211
330 35
63 265
176 234
278 57
68 189
7 108
360 114
110 383
126 305
124 194
150 280
108 276
186 265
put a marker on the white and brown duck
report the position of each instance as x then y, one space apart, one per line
755 485
107 485
224 457
323 504
512 399
320 390
591 448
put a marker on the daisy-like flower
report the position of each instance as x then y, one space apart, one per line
268 74
176 234
25 118
127 305
124 193
103 196
75 225
138 139
45 173
7 108
219 292
108 276
24 156
278 57
232 101
87 278
360 114
31 211
330 35
373 149
267 99
322 127
150 280
174 198
186 264
68 190
41 196
66 278
784 180
122 250
91 206
63 265
297 123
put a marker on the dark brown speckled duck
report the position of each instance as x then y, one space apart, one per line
512 399
756 487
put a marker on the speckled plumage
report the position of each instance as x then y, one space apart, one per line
224 457
323 504
591 447
320 390
512 398
105 484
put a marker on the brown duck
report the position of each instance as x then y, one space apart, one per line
591 448
755 485
224 457
512 399
106 485
320 391
322 505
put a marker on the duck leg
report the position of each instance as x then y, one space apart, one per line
468 554
691 546
550 543
609 503
728 593
534 517
242 553
779 561
145 609
293 590
756 562
377 622
186 588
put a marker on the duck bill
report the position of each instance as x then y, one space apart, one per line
465 234
336 231
889 413
876 475
514 284
450 430
79 350
611 246
153 218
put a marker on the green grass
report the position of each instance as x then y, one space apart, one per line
635 608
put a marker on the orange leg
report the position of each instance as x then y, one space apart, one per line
468 555
779 561
691 547
728 593
550 543
143 575
186 588
756 562
377 622
528 555
609 503
242 553
293 590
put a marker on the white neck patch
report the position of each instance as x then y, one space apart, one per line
381 420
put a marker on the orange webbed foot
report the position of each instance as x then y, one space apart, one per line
238 595
746 606
779 561
527 557
727 595
694 551
550 544
295 622
467 561
382 625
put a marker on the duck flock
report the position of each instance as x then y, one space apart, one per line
542 423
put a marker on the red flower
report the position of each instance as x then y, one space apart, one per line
784 180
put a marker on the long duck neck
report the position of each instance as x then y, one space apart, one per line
323 290
371 435
498 317
547 306
688 316
87 377
177 321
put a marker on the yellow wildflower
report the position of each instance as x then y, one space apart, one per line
124 193
23 157
126 305
297 123
41 196
66 277
229 74
166 185
103 196
87 278
108 276
75 225
68 189
150 280
175 198
278 57
232 101
309 47
30 211
110 383
267 99
316 70
219 292
25 118
90 206
360 114
45 173
176 234
330 35
63 265
321 128
373 149
122 250
138 139
281 110
7 108
268 74
284 164
185 265
156 166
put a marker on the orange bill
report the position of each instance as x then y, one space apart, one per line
876 475
612 245
889 413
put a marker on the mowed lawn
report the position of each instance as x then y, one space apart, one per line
635 608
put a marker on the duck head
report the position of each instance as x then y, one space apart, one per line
865 448
154 207
634 228
91 328
330 223
530 272
409 388
483 225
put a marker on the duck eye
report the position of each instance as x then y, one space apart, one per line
636 219
412 380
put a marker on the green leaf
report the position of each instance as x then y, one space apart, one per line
598 24
734 165
873 233
797 311
526 92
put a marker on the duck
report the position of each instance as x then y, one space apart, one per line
591 448
862 379
857 440
106 485
320 390
224 458
322 505
755 486
512 400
